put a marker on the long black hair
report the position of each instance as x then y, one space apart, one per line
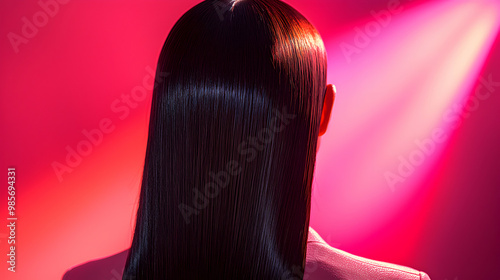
234 123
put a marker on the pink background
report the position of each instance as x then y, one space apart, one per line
402 69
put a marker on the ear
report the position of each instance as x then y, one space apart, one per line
327 108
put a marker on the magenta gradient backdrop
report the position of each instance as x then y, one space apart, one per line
417 103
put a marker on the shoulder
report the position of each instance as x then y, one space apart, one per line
326 262
107 268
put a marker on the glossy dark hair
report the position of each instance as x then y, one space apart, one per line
235 118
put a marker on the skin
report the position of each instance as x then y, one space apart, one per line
327 111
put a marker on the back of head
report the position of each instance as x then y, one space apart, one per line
231 148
